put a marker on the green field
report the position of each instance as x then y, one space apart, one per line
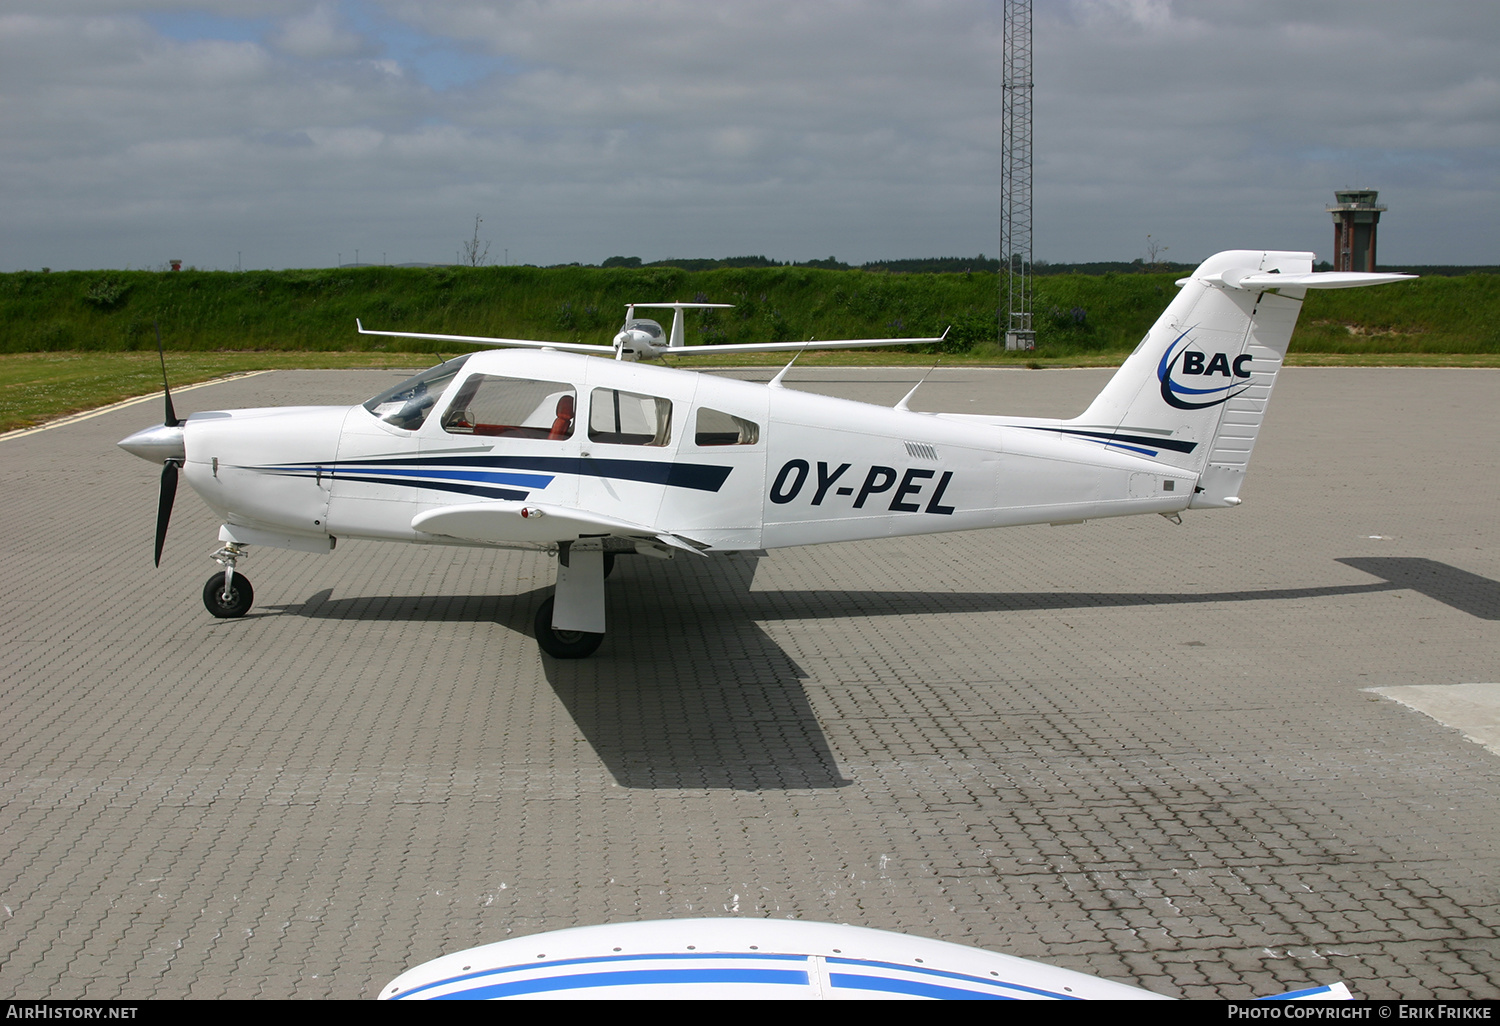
115 311
79 339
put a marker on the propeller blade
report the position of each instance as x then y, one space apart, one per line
171 420
164 504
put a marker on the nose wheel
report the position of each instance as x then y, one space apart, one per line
228 595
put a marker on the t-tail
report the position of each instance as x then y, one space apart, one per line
1193 395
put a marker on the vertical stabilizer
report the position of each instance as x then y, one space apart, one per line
1193 395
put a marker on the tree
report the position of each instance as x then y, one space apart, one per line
1154 249
474 252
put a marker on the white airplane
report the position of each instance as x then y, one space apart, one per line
589 458
748 959
640 339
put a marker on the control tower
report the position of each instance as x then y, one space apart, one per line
1355 218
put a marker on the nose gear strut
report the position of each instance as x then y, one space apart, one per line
229 595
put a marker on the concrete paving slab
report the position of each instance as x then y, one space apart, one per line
1471 708
1125 747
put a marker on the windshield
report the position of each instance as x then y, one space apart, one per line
407 405
649 327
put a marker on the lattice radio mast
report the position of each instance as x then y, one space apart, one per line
1015 179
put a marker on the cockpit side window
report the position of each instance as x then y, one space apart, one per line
718 428
407 405
488 404
627 418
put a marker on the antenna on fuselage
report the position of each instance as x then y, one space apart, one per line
776 381
907 398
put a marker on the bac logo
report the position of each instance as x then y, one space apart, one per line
1198 364
912 495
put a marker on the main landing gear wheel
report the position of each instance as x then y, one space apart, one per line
563 644
232 603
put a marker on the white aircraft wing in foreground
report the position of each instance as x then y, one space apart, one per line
749 959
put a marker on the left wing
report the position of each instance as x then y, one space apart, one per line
584 347
796 347
481 340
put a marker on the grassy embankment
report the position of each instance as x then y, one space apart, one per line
80 339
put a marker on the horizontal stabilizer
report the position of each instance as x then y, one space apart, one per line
1250 279
681 306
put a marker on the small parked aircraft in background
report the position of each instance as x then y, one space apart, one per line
589 459
641 339
746 959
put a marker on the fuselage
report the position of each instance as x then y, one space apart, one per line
731 465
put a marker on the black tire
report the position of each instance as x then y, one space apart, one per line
563 644
241 596
609 564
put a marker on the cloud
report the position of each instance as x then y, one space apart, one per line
870 129
319 34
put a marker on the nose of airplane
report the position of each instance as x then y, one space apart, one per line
156 444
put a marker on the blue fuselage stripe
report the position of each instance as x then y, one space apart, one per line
488 476
890 985
701 477
628 978
610 959
445 486
979 981
1116 438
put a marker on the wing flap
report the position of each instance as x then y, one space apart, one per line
521 522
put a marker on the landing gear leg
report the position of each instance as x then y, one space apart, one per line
570 625
228 595
560 644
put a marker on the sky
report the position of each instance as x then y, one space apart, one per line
304 133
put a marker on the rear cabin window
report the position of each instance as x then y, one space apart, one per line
715 427
499 407
626 418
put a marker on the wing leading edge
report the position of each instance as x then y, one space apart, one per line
482 340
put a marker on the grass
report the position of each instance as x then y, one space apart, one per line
38 387
315 310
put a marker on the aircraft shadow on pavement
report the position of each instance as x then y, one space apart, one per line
689 692
1466 592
